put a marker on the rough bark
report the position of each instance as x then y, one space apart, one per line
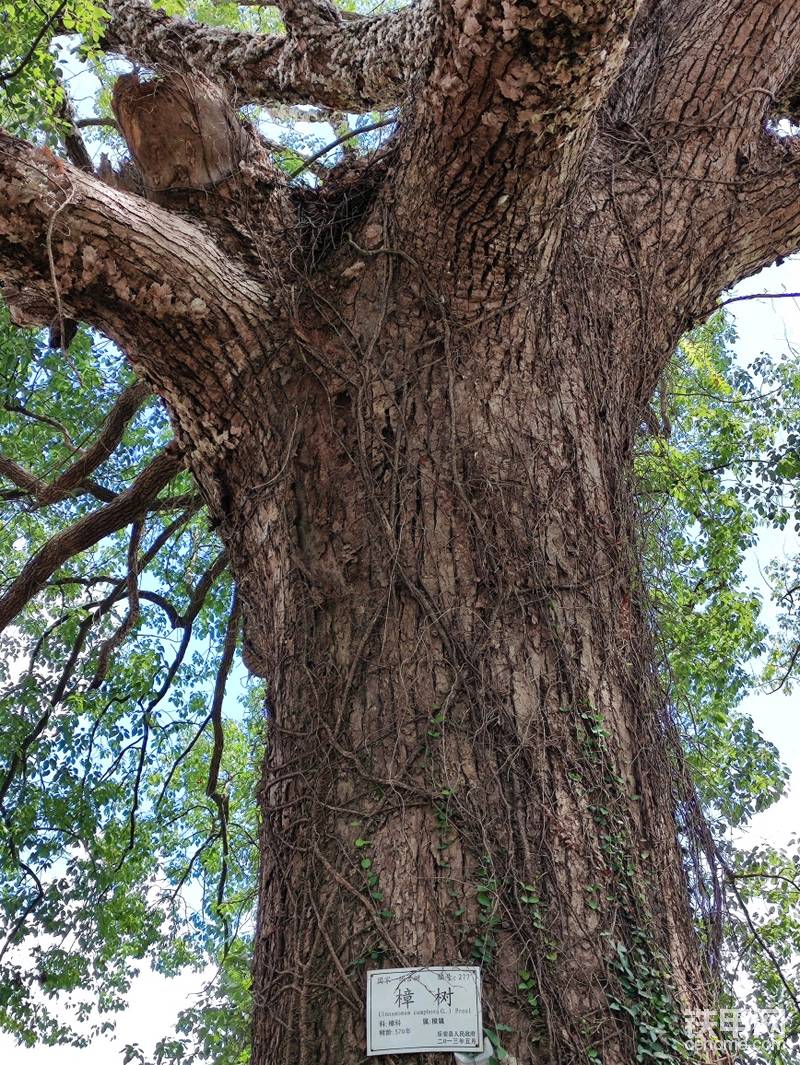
458 674
352 65
410 398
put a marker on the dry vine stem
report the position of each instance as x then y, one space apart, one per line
409 396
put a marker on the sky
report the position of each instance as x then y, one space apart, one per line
154 1004
772 326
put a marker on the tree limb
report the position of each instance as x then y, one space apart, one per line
116 639
691 108
105 443
52 20
140 763
43 419
74 144
95 121
186 621
764 946
217 795
150 279
560 60
324 58
769 218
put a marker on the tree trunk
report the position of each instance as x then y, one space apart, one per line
469 760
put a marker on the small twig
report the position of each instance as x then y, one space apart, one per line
787 672
31 906
763 874
136 786
731 876
761 296
5 78
340 140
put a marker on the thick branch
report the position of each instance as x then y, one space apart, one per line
87 532
30 486
700 195
323 59
106 442
769 214
159 285
718 65
697 123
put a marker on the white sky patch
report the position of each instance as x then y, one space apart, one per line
772 326
154 1004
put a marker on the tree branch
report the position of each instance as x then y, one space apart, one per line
140 763
324 58
151 279
308 164
117 638
769 217
129 585
561 58
105 444
87 532
763 945
217 795
96 121
74 145
52 20
43 419
29 906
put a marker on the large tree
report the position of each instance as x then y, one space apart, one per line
408 394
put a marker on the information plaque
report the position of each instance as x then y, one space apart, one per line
413 1011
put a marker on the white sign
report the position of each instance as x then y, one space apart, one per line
411 1011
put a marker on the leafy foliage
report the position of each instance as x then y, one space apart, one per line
696 481
715 468
29 67
112 848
